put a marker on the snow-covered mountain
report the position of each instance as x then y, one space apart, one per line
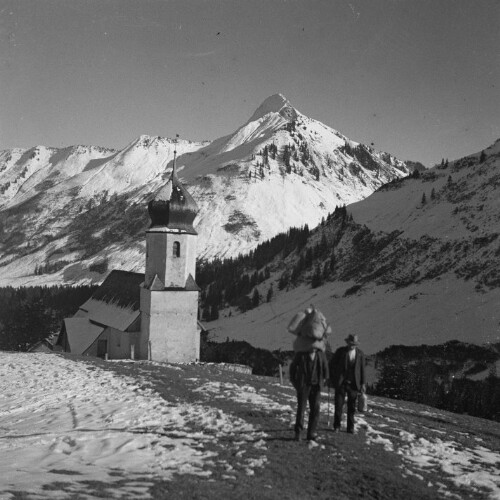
66 214
417 262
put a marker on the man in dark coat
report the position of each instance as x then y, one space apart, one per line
347 375
308 372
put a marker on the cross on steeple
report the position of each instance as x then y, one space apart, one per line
175 154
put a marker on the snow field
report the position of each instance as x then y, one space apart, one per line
68 421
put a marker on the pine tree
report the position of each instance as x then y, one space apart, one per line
424 200
309 258
255 298
284 280
267 273
332 263
214 313
323 245
326 271
270 293
317 278
206 313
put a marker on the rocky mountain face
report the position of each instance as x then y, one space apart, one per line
417 262
69 215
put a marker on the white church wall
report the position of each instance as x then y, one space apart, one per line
171 320
117 344
161 260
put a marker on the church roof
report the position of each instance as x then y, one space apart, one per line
116 302
81 334
120 288
191 284
109 314
173 207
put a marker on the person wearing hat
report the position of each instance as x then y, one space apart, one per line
347 375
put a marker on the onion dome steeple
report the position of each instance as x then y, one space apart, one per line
173 207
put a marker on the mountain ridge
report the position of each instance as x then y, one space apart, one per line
292 166
417 262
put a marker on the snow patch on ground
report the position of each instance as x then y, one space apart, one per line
241 394
473 468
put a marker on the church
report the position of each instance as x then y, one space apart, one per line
151 316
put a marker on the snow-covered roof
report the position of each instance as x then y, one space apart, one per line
109 314
120 288
81 334
116 302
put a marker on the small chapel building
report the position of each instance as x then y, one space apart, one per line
153 315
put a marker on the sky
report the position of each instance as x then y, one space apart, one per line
418 79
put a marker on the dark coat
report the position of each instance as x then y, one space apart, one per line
303 371
339 366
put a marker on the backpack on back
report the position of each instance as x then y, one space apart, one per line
296 323
314 325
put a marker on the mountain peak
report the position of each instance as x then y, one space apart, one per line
277 103
274 103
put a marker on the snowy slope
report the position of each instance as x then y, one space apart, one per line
87 429
470 206
406 272
280 162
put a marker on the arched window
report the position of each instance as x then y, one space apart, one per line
177 249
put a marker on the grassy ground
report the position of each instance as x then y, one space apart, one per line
344 466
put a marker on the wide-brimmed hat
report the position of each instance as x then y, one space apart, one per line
352 339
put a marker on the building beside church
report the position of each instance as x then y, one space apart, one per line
152 315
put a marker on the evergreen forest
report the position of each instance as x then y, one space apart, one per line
29 315
445 376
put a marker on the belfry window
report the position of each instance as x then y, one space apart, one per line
177 249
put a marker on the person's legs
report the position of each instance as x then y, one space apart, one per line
339 405
302 397
351 408
314 410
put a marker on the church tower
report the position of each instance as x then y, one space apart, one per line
169 294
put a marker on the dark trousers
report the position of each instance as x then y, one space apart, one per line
340 395
305 394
